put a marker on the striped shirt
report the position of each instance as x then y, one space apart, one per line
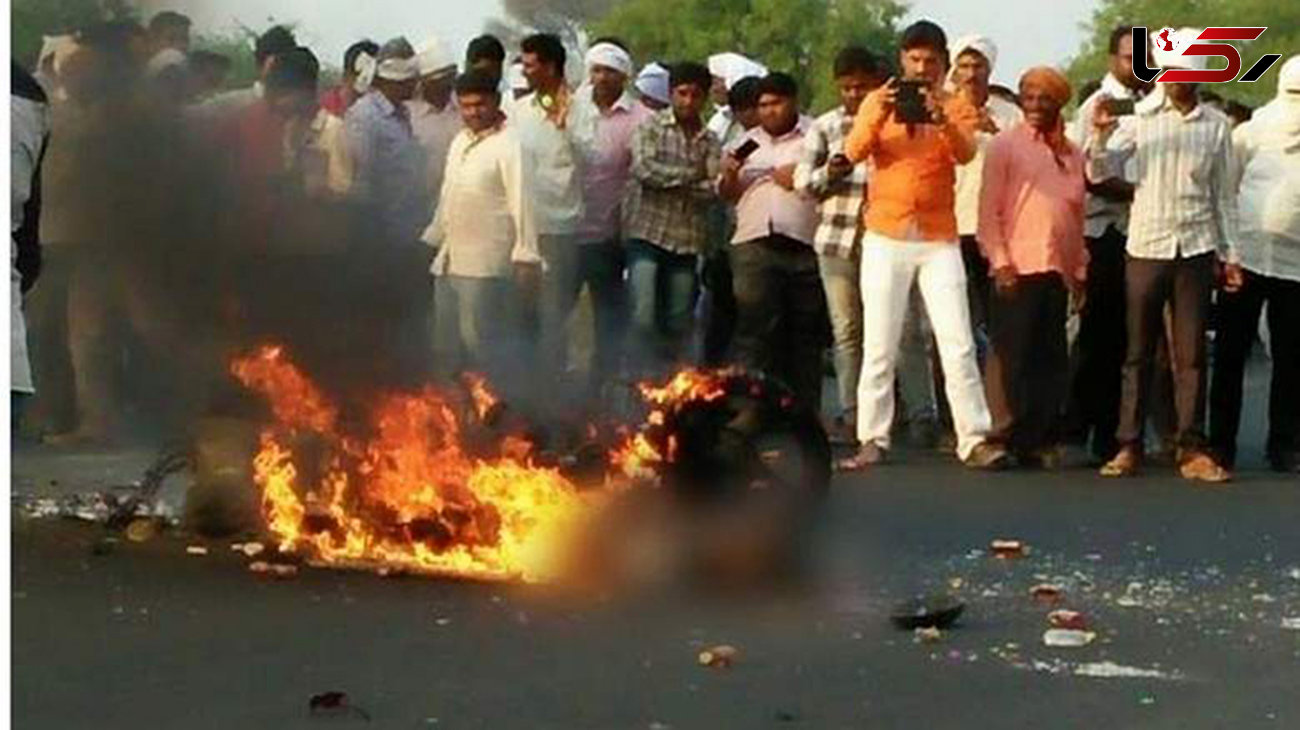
839 229
672 185
1184 204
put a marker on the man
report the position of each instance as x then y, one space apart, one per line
1093 407
674 166
169 30
727 69
718 302
605 116
434 118
779 301
546 128
973 59
484 233
389 188
29 129
840 188
1031 231
273 42
915 144
652 87
1268 155
1184 218
208 72
339 99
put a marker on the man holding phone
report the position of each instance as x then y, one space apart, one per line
779 302
910 239
840 188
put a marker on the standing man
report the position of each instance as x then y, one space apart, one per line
915 134
169 30
973 59
605 116
1184 220
1093 407
278 39
485 236
389 189
1268 155
652 87
339 99
486 55
840 187
728 69
543 121
779 301
674 166
29 129
434 118
1031 230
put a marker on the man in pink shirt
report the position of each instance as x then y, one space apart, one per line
780 325
1031 230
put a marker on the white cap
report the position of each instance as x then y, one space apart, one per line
1288 79
732 67
433 59
652 82
1174 57
982 45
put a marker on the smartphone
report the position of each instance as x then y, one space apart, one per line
746 149
909 104
1120 107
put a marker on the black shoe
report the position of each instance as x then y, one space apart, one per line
1284 463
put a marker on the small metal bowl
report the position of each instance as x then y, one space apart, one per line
925 612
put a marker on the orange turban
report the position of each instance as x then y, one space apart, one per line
1049 80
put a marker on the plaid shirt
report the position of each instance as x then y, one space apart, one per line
841 202
672 185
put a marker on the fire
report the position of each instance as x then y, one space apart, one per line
405 494
643 454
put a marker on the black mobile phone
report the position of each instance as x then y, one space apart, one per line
1120 107
747 148
909 103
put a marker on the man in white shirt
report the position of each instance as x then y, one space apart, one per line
486 237
1268 158
434 118
29 129
779 302
1184 221
543 121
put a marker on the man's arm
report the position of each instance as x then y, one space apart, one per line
960 122
515 178
1223 191
361 150
864 138
812 175
993 223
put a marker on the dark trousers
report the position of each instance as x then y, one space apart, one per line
1238 320
599 267
780 311
1026 374
719 308
1185 284
1092 409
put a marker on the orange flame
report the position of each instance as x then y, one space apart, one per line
407 496
639 457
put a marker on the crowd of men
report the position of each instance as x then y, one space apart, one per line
985 275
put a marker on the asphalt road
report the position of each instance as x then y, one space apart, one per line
1190 583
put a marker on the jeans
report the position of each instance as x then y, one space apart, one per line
780 312
889 269
840 280
1186 285
1237 325
662 288
599 267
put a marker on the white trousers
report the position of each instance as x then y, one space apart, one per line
889 268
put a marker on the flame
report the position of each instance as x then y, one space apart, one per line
643 454
406 495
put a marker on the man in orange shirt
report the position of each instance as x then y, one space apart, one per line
915 134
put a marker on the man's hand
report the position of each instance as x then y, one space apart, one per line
1078 290
1233 278
838 167
784 176
1004 279
935 98
1103 121
881 102
731 166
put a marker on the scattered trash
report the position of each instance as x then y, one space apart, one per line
1291 623
927 635
196 550
1263 598
273 570
1071 620
334 704
1046 593
935 611
442 621
251 549
1111 670
1008 549
719 657
1147 700
143 529
785 716
1068 638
